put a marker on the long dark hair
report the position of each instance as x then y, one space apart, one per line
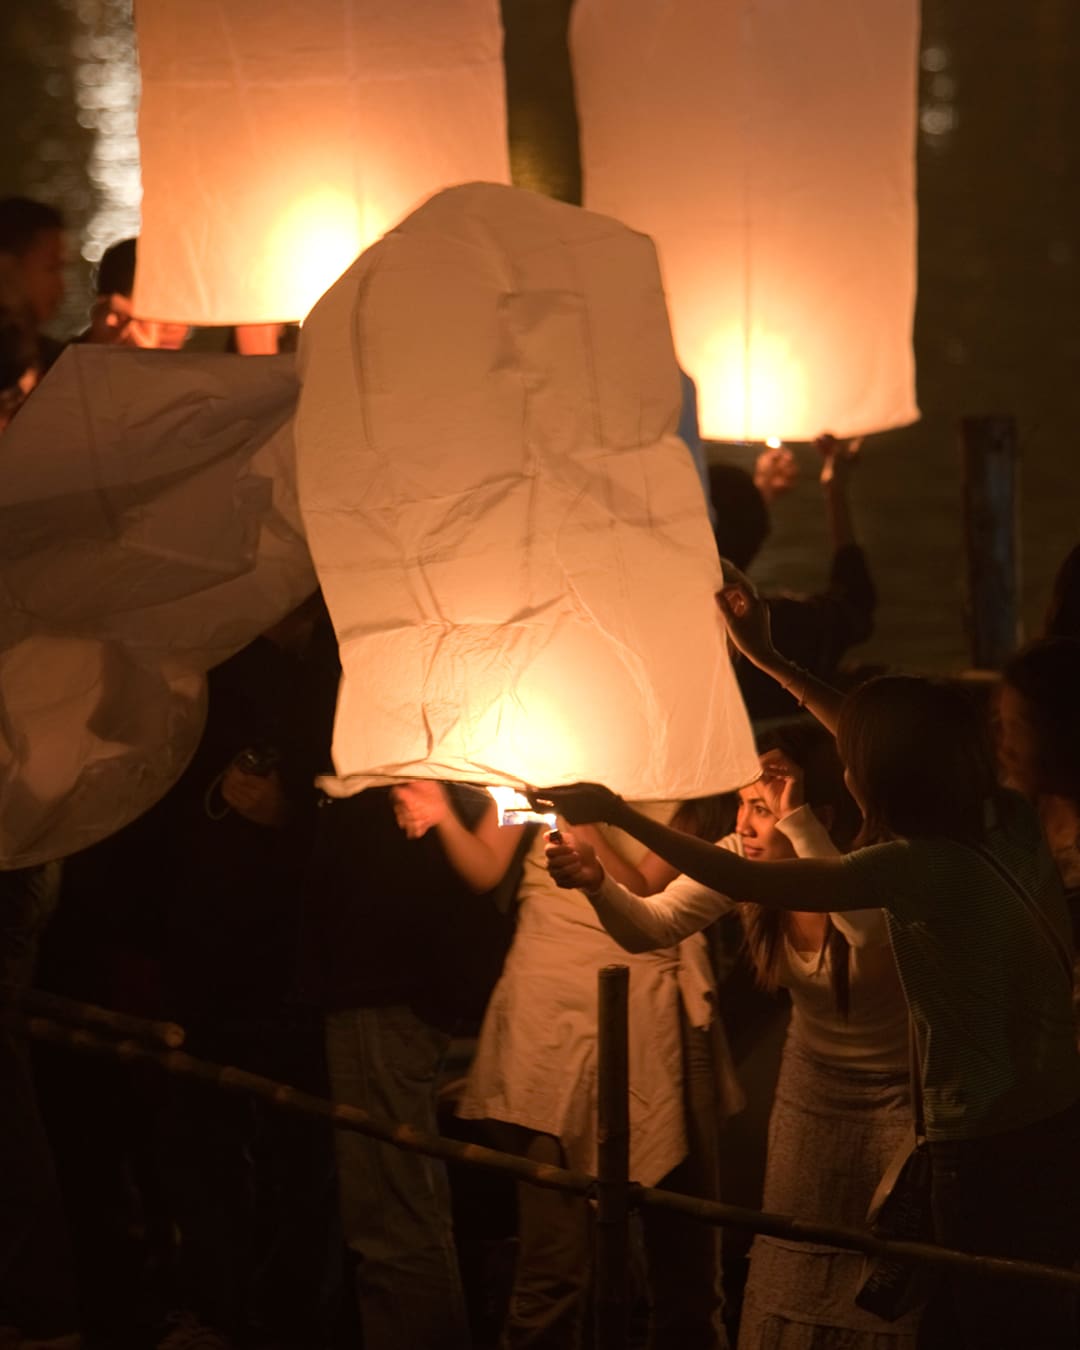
919 754
707 817
1063 614
766 928
1046 674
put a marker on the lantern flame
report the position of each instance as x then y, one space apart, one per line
314 241
750 385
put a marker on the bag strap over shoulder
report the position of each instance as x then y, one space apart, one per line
915 1070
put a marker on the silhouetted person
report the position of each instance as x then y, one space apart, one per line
33 246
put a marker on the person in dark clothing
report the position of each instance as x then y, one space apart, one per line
1063 612
252 1187
395 911
38 1296
816 629
32 244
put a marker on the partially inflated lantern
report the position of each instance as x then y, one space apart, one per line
512 542
174 542
767 146
279 140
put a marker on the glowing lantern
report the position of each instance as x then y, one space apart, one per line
279 141
768 149
512 542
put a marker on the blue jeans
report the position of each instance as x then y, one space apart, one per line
395 1206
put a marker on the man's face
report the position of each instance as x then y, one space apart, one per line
41 273
112 323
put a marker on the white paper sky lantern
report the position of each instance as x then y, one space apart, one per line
279 139
512 542
148 530
768 147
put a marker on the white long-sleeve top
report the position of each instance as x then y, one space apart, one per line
535 1062
873 1036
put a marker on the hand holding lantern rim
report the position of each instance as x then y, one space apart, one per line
419 805
746 616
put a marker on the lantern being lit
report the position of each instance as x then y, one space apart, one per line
769 150
278 141
512 542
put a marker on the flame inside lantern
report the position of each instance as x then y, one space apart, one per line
314 241
753 382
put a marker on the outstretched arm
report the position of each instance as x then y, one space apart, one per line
479 856
747 619
812 884
683 907
650 875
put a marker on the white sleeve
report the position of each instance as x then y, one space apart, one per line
641 924
810 839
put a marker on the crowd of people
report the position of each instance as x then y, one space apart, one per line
913 889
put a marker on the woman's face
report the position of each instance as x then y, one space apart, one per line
1017 742
756 827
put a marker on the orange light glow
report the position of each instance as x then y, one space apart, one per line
314 240
789 264
751 387
511 540
272 155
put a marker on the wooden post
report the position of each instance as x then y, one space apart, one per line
613 1161
990 486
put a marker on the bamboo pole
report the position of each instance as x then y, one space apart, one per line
612 1233
855 1239
90 1016
231 1079
538 1174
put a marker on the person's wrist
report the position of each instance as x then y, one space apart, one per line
593 891
617 811
793 679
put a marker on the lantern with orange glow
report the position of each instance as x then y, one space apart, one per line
512 542
768 149
278 141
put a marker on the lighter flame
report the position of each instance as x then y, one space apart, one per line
515 809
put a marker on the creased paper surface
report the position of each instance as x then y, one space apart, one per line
512 542
148 530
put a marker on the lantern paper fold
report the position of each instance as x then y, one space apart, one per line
768 148
148 530
279 140
512 542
